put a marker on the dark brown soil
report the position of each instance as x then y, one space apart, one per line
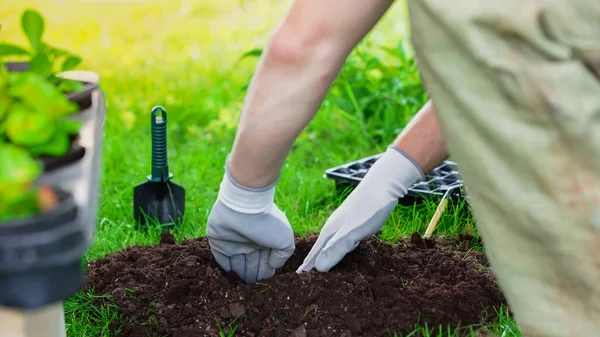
177 290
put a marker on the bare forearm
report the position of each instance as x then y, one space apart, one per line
422 139
281 101
302 59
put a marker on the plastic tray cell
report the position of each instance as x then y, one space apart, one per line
435 184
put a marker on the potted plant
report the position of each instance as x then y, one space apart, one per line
51 131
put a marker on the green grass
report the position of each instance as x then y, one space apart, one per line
185 56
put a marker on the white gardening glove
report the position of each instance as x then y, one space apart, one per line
247 232
365 210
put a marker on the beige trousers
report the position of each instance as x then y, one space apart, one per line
517 89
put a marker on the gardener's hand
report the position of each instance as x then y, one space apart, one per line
247 232
365 210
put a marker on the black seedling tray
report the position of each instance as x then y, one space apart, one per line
435 185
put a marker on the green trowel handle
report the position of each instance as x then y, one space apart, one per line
160 165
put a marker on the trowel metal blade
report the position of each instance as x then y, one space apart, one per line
161 201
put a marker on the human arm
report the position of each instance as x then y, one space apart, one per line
301 61
246 230
422 140
416 151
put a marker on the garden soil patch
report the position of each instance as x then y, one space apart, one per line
178 290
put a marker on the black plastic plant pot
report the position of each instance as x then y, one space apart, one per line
40 256
441 179
78 171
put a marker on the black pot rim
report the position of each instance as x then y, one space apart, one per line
73 155
66 203
83 98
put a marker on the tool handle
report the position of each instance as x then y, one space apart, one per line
160 164
436 218
438 212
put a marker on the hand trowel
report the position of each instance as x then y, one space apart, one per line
159 199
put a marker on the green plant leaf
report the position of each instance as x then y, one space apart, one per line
32 24
71 62
40 63
40 94
18 170
55 51
57 146
17 165
26 205
5 102
257 52
8 49
3 76
27 127
68 85
2 131
69 126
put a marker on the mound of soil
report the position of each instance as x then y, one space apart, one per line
378 289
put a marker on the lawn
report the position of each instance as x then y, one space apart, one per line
187 57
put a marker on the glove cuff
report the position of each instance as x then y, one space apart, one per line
414 173
395 171
244 199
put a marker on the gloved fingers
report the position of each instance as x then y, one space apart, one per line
252 263
309 261
238 265
335 251
264 269
278 257
350 235
334 224
222 260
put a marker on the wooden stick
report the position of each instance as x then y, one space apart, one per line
436 218
438 212
48 322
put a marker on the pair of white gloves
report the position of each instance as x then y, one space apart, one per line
251 236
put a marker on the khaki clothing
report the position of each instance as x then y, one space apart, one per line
517 90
